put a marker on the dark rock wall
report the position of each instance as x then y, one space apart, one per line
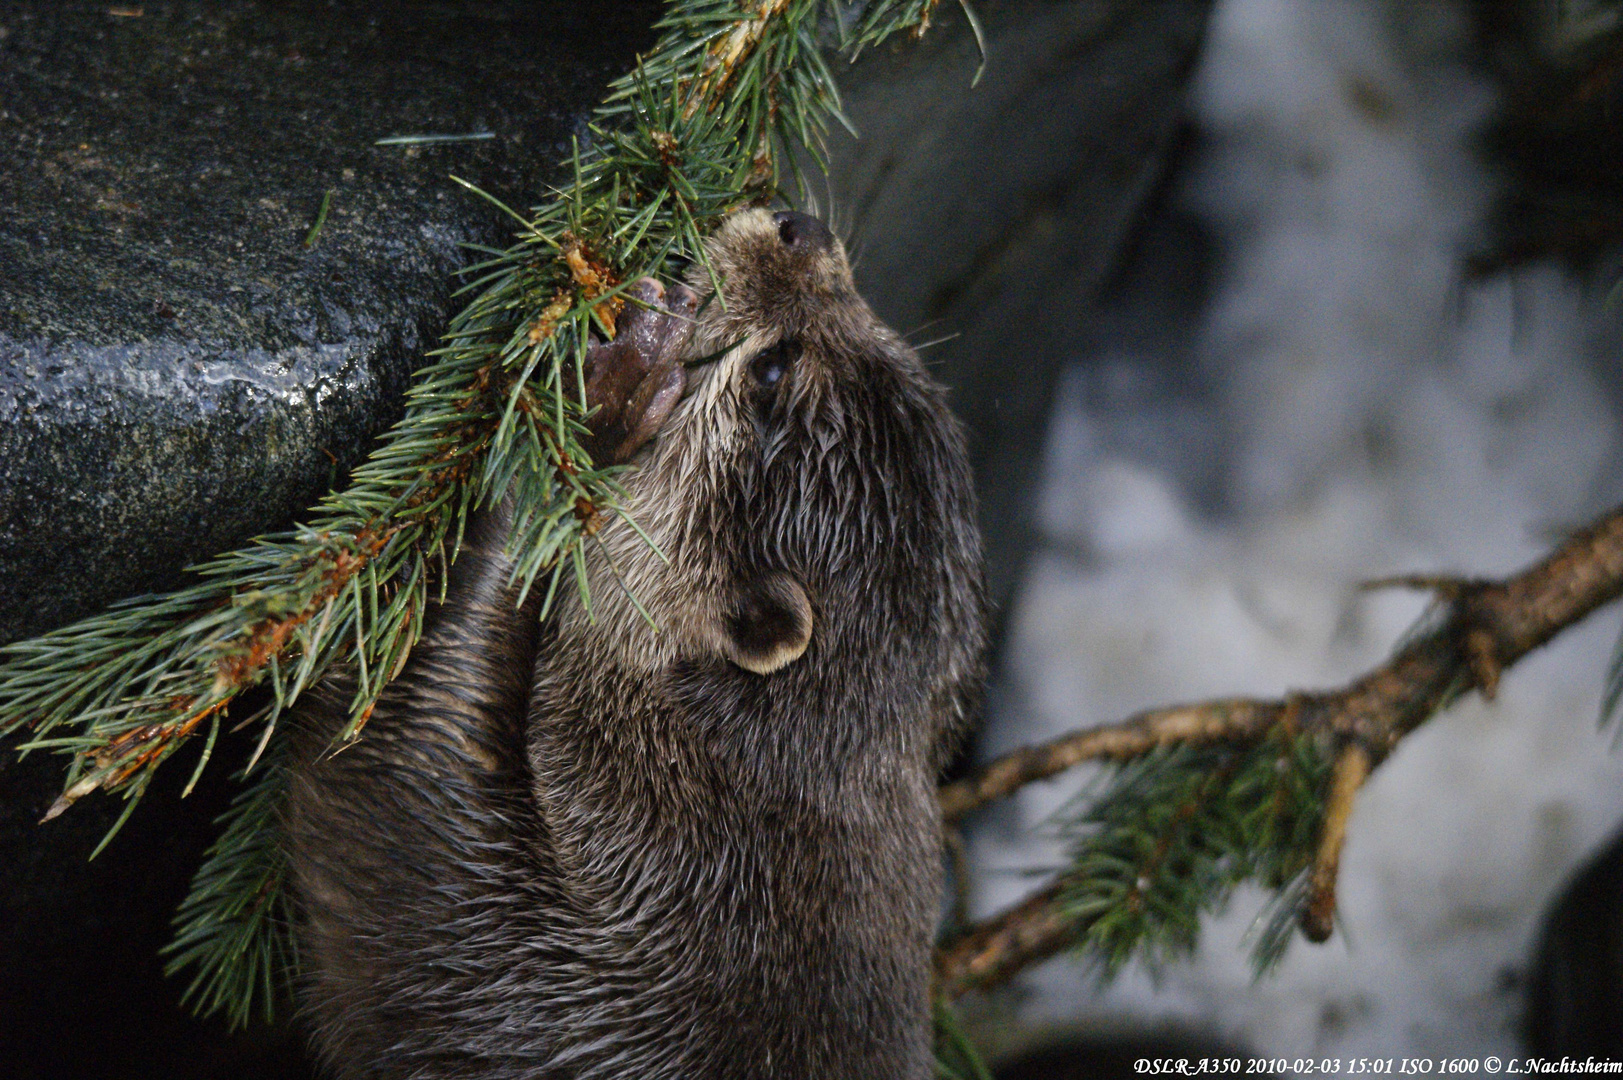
994 214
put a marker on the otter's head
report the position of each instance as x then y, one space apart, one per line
810 491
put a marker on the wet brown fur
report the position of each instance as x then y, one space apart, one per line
586 849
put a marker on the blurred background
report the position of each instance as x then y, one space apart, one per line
1244 302
1367 325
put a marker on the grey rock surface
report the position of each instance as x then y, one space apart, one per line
178 370
996 213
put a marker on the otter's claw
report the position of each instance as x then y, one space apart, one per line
634 381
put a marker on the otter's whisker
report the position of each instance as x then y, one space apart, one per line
943 339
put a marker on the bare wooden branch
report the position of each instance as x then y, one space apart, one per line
1348 775
1210 721
1494 624
1491 625
991 952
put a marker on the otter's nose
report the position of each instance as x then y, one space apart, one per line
802 231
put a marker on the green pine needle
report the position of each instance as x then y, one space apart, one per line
232 928
955 1055
704 125
1177 830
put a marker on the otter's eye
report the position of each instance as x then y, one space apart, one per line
769 367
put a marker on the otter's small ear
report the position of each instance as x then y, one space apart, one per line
768 624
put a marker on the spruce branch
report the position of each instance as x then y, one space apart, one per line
1139 734
991 952
232 927
1351 769
1209 795
956 1057
734 92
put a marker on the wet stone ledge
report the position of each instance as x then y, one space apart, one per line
178 370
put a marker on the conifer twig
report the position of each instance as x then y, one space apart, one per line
1318 913
994 950
709 121
1489 626
1516 615
1235 718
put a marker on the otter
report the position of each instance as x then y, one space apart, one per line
586 847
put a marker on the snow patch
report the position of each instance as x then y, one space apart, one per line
1377 416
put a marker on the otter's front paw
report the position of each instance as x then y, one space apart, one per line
634 381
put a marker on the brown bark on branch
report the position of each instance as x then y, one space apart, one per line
1350 771
1491 625
990 953
1211 721
1506 619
